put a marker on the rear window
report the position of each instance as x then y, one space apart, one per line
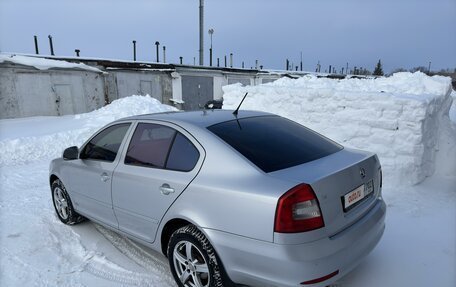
274 143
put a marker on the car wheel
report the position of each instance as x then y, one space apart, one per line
192 259
62 204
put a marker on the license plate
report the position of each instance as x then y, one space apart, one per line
357 195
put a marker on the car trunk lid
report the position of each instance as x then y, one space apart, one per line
339 181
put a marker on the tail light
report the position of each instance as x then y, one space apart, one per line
298 210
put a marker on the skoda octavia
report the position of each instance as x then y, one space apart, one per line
246 198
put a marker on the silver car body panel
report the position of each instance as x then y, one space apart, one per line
139 210
259 263
233 203
332 177
89 183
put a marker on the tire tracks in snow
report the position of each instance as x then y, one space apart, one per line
138 254
78 258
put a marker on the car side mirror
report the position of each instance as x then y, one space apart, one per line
71 153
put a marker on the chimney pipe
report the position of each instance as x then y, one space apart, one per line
36 45
134 50
51 46
181 59
77 52
157 44
231 60
164 54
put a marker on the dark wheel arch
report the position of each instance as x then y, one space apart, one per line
168 230
52 178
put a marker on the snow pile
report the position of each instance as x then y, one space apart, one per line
45 64
400 117
453 108
53 134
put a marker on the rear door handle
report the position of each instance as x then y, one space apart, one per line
166 189
104 177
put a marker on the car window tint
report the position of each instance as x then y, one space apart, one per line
105 145
183 155
273 143
150 145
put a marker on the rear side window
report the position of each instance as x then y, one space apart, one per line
105 145
183 155
160 146
150 145
274 143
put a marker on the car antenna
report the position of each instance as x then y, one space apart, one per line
237 110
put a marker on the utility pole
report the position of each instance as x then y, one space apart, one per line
211 32
201 33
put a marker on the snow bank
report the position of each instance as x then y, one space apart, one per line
453 108
45 64
399 117
16 149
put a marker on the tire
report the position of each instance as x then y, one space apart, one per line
200 267
62 204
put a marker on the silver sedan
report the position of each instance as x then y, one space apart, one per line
250 198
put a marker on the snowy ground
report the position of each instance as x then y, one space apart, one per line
418 247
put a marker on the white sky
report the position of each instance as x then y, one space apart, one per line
405 33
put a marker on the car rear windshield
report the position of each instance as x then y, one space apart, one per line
274 143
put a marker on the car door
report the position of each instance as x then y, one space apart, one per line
159 163
90 176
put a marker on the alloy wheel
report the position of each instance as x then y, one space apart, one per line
60 203
190 265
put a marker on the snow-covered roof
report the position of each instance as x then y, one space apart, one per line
44 63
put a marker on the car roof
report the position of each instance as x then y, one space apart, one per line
202 118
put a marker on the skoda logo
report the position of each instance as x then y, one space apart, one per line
362 172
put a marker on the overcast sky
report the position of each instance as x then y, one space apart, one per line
402 33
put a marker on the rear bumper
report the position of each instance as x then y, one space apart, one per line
259 263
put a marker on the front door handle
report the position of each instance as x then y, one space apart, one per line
166 189
104 177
